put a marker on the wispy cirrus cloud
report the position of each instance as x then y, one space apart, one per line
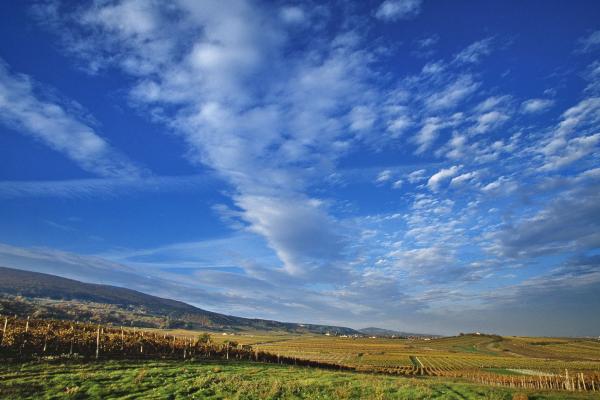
590 42
22 109
103 187
475 51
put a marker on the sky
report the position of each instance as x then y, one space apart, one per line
419 165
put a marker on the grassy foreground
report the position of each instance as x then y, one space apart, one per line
231 380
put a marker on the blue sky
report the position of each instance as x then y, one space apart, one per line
409 164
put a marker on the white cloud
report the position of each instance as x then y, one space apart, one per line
452 94
590 42
464 178
102 187
502 185
592 75
271 140
128 18
399 124
488 121
299 230
533 106
566 223
50 123
428 134
585 114
474 52
436 179
428 41
457 146
492 103
433 69
384 176
422 259
593 173
393 10
292 14
416 176
432 265
361 118
564 152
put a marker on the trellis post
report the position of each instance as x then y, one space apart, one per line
72 339
46 337
98 342
4 330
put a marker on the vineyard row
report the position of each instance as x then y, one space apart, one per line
23 339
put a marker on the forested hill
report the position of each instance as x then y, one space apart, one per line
25 292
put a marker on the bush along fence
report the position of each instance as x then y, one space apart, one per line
25 339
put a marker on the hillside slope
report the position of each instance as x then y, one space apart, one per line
56 297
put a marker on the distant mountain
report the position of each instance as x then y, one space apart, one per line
372 331
50 296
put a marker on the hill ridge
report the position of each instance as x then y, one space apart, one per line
45 289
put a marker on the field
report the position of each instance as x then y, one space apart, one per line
230 380
453 356
45 355
468 352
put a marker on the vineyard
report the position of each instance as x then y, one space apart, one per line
492 360
454 353
25 339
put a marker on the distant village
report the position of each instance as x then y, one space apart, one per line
393 336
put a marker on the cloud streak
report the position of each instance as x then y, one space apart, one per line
102 187
50 123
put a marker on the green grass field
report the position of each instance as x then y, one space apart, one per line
228 380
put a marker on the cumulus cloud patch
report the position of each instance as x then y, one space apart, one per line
442 175
533 106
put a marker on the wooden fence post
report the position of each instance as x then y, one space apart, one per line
72 339
98 342
46 337
4 330
25 337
